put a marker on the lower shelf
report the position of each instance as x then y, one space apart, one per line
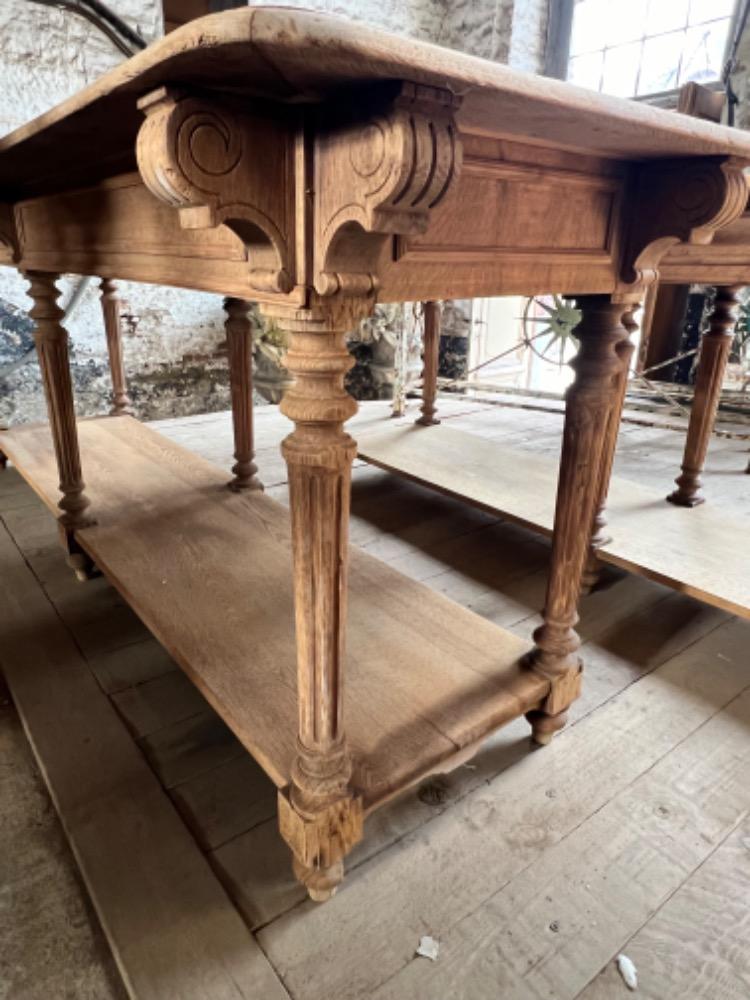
209 573
700 552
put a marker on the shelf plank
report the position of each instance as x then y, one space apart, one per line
209 573
701 552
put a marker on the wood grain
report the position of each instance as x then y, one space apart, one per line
436 694
632 734
266 52
110 300
701 552
172 929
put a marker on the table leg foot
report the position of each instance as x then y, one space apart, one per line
544 726
321 883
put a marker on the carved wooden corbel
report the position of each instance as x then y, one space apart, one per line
679 201
377 178
214 163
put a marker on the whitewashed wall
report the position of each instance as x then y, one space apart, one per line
173 338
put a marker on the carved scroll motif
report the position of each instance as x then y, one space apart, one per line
681 201
220 166
380 178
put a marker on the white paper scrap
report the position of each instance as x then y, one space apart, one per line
628 972
428 948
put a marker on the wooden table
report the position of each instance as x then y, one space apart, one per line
705 555
315 166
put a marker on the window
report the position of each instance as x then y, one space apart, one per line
636 47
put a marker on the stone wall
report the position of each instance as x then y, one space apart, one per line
174 339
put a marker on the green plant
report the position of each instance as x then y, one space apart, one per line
270 340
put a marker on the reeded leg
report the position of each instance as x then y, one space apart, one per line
712 363
588 406
52 348
121 403
431 357
320 817
599 534
240 343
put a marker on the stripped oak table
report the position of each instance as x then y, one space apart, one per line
316 167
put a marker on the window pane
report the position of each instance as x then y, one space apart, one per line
626 21
666 15
621 69
586 70
703 57
709 10
589 26
661 62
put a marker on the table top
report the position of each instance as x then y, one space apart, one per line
295 56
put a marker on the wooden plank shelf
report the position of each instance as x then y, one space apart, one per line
701 552
209 573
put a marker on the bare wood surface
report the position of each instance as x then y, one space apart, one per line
121 403
51 340
632 734
714 353
702 552
170 925
440 855
240 344
438 692
430 363
698 938
266 51
696 797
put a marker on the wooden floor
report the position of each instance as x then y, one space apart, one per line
532 869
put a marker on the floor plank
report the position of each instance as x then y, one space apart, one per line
697 944
440 874
550 929
460 855
171 927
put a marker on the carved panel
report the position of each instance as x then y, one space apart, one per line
222 166
500 209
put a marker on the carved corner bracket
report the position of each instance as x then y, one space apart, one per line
222 166
679 201
377 178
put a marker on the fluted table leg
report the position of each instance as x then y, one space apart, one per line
239 332
712 364
320 817
599 534
51 340
589 403
121 403
431 358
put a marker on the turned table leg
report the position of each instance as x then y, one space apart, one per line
431 357
51 340
589 402
320 817
121 403
715 346
239 332
599 534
